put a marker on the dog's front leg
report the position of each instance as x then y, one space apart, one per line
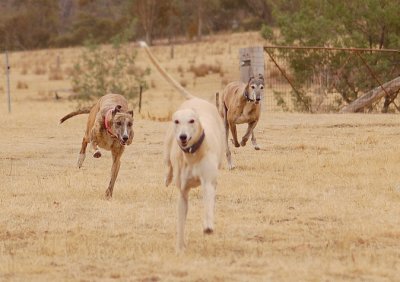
182 214
250 127
253 140
82 153
209 205
232 126
116 155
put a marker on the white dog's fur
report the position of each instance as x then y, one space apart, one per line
191 169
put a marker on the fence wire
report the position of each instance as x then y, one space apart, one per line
314 79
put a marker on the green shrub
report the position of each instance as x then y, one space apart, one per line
99 71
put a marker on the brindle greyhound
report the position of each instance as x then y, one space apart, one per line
109 126
240 103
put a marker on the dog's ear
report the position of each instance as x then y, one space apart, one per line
117 109
130 112
250 79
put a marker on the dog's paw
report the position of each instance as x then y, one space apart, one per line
208 231
167 180
256 147
108 194
80 160
236 144
97 154
243 143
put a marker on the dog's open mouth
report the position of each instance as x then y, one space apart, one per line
122 142
184 143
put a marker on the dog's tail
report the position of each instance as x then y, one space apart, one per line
85 110
164 73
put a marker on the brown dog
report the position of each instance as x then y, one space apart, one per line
240 103
109 126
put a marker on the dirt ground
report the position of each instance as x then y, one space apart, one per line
318 202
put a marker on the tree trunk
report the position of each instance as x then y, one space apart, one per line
372 96
199 20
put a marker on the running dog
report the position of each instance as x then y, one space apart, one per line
240 103
109 126
194 150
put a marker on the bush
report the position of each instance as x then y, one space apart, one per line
100 71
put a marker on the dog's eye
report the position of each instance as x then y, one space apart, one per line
262 86
129 124
119 123
253 87
191 121
176 121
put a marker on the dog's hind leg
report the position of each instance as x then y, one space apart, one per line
82 153
167 160
182 214
228 151
116 156
250 127
93 141
253 140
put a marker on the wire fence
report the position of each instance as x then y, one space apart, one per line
308 79
316 79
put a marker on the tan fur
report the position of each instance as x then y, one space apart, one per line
200 168
96 134
235 108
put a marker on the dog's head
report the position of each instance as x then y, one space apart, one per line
121 125
255 88
187 127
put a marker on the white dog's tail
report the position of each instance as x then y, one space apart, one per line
164 73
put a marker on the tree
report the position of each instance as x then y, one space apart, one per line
25 27
341 23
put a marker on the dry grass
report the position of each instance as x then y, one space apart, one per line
320 201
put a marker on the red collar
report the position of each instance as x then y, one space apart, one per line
107 118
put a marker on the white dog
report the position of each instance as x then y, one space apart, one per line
194 149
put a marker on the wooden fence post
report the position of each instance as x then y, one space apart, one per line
251 62
8 82
140 98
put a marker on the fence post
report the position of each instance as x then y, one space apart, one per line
140 98
251 62
8 82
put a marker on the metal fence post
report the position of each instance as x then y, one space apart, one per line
251 62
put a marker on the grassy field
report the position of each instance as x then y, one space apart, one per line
318 202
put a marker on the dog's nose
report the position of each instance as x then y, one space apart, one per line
183 137
258 99
125 138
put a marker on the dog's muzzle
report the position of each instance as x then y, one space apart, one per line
124 140
183 139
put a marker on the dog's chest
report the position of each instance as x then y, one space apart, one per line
190 175
106 141
249 113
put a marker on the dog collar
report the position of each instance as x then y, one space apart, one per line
106 120
192 149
